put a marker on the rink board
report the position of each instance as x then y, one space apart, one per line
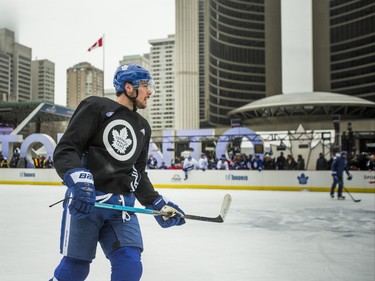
363 181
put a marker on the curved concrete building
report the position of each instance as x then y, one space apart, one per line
243 56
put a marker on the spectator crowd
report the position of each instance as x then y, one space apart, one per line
17 161
361 161
255 162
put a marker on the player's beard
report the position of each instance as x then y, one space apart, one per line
141 105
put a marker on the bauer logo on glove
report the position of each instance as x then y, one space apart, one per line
81 186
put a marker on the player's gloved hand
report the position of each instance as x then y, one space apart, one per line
81 184
162 204
350 176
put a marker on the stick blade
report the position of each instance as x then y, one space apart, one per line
201 218
220 218
225 206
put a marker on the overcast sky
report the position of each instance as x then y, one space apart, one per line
62 31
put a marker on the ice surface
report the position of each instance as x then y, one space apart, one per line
267 236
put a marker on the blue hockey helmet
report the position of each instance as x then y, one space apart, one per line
130 73
343 152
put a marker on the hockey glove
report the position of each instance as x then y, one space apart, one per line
350 176
162 204
81 184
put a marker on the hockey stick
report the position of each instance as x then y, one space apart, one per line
220 218
355 200
347 191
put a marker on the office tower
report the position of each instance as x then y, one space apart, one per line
143 61
243 54
15 68
161 108
187 65
343 47
43 80
83 80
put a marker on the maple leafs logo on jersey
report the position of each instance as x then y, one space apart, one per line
120 140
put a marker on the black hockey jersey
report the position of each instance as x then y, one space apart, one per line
112 142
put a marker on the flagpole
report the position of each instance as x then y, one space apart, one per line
103 64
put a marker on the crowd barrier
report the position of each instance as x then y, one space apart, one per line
363 181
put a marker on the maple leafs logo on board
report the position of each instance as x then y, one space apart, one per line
302 179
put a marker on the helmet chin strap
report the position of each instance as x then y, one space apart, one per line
133 99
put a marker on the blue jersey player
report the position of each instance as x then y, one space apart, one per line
339 165
102 157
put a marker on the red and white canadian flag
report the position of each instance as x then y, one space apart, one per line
97 44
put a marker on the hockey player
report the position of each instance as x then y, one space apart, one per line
222 164
203 162
102 157
190 163
257 163
339 165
